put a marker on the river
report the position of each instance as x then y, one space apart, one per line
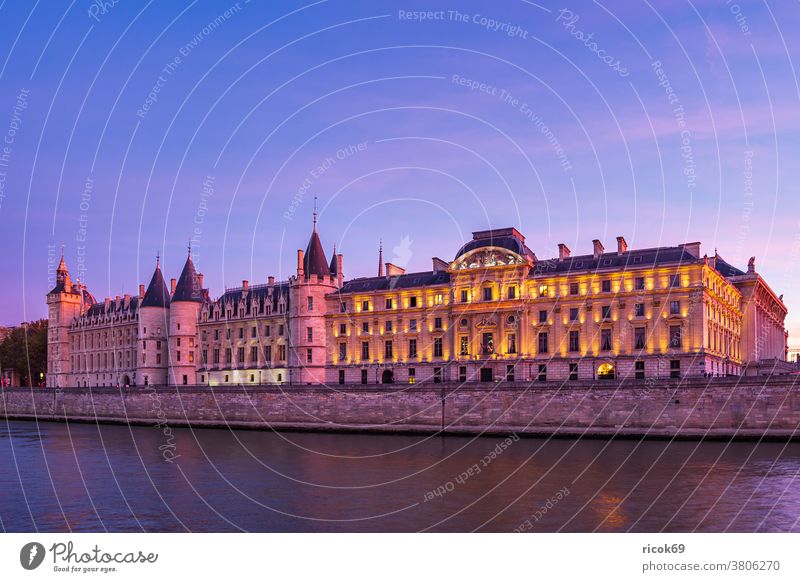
57 477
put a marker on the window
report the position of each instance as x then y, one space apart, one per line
512 292
463 345
389 303
574 341
365 327
241 333
216 355
542 316
412 375
365 306
412 301
638 309
464 295
605 312
267 354
280 330
574 288
573 371
437 347
363 376
487 344
310 303
438 299
674 307
388 351
282 352
228 356
638 369
543 291
365 350
266 331
675 336
240 357
178 342
308 355
412 325
542 376
437 375
412 348
487 293
342 307
437 323
509 372
605 339
342 351
573 314
462 373
639 338
310 334
605 286
342 329
512 343
253 333
253 355
341 376
216 334
674 368
543 349
389 326
675 280
204 354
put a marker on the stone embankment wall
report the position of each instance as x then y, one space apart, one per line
745 407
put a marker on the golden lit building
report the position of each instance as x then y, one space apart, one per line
496 312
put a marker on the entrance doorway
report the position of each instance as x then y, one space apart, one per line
605 371
487 375
387 377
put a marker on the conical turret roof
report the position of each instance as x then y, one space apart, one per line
157 294
334 266
188 287
314 261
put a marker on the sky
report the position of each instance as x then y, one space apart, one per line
130 129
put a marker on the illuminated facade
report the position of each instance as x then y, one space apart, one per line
494 313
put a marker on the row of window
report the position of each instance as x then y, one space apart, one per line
241 333
253 361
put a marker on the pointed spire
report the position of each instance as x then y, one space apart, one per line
315 214
334 266
314 261
380 258
188 287
157 294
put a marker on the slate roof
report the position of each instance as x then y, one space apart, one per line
630 259
406 281
725 268
99 309
502 238
257 292
314 261
334 266
188 287
157 294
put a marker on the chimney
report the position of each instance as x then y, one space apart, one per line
598 248
200 280
622 246
339 263
271 281
299 263
563 251
394 270
439 265
172 284
245 284
141 290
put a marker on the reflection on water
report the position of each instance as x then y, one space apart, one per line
78 477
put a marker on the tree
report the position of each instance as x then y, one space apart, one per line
25 350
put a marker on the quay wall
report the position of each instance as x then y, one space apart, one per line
740 407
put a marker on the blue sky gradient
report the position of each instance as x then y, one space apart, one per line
485 114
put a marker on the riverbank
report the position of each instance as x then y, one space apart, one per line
718 408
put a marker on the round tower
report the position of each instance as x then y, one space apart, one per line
184 312
153 349
307 307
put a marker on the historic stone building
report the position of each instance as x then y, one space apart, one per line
495 312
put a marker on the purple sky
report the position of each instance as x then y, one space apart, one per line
664 122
